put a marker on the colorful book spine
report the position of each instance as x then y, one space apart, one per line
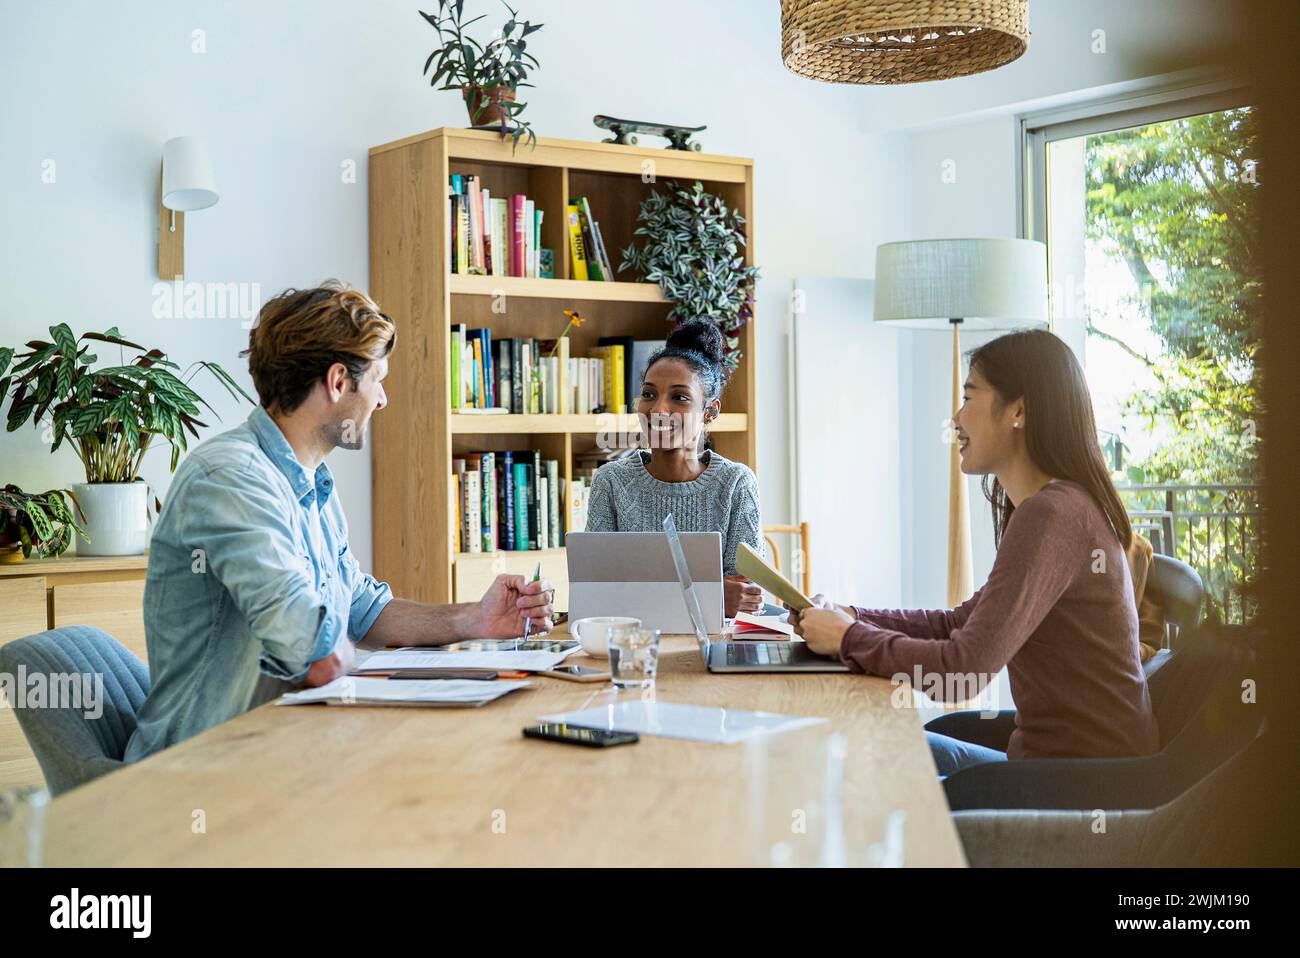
477 347
554 498
517 234
594 270
517 383
596 263
577 251
521 505
508 514
455 368
538 529
472 500
488 528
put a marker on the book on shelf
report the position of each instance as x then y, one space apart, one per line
535 376
577 251
597 259
510 501
492 235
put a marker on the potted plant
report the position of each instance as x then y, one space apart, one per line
694 249
110 417
487 74
29 521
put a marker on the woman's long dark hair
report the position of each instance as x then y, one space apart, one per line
1060 431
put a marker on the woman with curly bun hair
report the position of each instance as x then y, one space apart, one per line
673 472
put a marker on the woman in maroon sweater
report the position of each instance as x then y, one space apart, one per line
1057 610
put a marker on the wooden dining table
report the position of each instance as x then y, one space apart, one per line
398 786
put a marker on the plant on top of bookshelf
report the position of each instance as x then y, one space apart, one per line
487 74
694 249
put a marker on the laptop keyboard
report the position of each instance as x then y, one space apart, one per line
759 653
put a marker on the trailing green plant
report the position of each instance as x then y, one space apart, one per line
479 69
109 415
42 522
695 250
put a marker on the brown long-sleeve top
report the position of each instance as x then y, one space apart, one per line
1057 611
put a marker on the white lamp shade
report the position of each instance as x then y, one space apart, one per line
188 183
986 283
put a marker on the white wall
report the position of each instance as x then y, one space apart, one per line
961 160
286 92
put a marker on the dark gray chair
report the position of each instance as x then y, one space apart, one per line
71 747
1180 591
1196 697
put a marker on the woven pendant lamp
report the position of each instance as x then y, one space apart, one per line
900 41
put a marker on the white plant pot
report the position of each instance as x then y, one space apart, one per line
117 518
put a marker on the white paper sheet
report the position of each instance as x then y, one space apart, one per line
671 720
352 689
500 661
776 623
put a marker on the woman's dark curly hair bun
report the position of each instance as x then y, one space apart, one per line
700 345
701 336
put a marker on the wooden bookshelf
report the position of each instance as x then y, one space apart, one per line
416 437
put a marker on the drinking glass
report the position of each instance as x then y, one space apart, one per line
633 656
22 826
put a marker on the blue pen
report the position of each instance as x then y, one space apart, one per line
528 623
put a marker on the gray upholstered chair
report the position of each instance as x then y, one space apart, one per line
1197 828
1178 689
72 746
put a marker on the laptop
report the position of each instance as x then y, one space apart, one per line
631 573
786 655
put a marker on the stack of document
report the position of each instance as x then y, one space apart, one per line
427 693
767 627
404 661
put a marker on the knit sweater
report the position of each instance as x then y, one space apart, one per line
1058 612
724 498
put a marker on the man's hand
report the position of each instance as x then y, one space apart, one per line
823 629
335 665
511 601
740 595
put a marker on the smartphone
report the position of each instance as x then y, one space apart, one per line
574 735
576 673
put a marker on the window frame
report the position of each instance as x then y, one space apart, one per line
1035 130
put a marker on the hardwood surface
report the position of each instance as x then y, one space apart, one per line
115 607
335 785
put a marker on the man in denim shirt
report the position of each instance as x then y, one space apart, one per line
249 567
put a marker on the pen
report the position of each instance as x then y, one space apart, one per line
528 623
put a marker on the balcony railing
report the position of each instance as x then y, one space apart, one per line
1213 528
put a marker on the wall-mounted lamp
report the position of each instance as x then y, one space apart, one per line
187 184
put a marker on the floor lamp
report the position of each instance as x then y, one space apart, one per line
984 284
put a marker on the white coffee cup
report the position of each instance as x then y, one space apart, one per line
593 633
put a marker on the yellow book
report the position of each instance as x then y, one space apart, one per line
616 374
454 517
577 248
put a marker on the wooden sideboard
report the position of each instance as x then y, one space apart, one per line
42 594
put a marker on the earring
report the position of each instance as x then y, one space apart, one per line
1015 425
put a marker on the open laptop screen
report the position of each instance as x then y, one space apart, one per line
684 577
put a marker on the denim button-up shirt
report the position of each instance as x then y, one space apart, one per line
249 571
